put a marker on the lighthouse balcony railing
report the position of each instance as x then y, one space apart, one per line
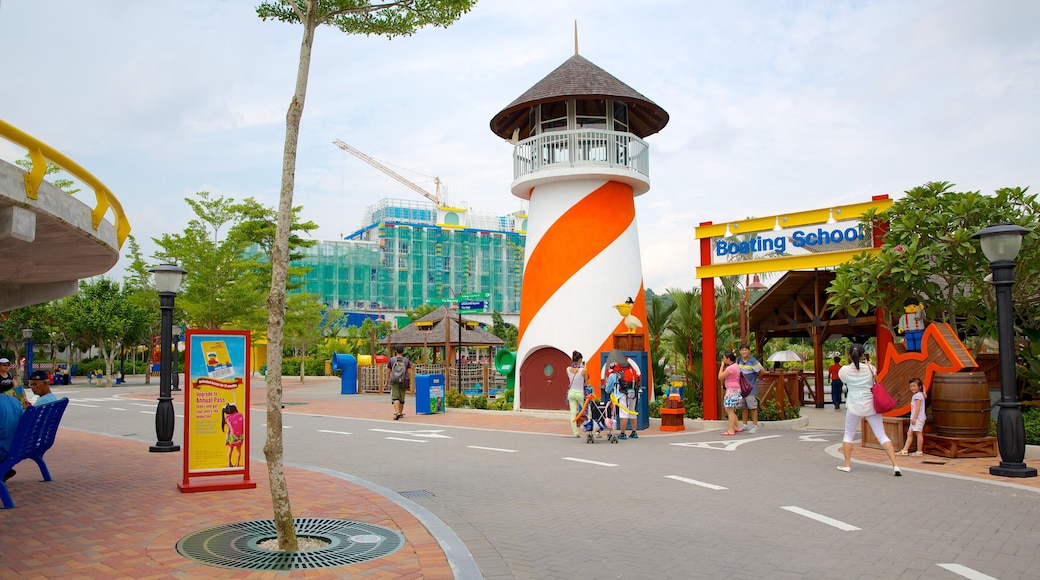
581 148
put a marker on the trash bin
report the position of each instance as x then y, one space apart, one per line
429 394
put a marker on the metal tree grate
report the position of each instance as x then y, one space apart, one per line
236 545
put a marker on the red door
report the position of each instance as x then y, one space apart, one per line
543 379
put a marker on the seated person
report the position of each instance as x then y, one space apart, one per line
41 386
10 413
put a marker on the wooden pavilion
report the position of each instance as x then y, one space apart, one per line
796 306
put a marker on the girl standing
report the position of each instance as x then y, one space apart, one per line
858 378
730 375
577 376
234 425
917 418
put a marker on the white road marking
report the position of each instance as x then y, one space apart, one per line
820 518
117 409
966 572
431 433
81 405
811 438
336 432
590 461
727 445
143 404
147 412
492 449
695 482
95 399
283 426
411 440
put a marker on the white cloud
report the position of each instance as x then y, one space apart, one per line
774 106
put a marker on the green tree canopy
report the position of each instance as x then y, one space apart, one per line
928 253
102 314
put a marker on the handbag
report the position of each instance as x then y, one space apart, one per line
883 402
745 386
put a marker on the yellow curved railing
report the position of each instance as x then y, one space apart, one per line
41 153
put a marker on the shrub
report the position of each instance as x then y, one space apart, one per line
455 399
478 402
313 367
1031 418
655 409
500 404
770 411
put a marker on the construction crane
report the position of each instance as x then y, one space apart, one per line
434 197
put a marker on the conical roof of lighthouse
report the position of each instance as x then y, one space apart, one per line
578 78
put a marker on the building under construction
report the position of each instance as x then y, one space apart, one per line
411 253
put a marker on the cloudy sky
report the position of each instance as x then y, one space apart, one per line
775 106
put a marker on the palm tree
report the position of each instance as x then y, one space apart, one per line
657 315
683 336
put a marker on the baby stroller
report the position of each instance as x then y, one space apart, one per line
597 417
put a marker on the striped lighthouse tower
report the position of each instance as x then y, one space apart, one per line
579 159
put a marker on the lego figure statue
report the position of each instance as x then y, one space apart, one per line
911 324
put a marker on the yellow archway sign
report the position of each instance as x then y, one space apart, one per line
818 238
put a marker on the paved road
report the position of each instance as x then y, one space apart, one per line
690 505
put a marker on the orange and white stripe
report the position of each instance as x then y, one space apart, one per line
582 258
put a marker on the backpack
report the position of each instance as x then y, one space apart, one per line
629 379
399 370
745 386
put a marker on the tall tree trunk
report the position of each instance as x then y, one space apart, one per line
108 354
273 447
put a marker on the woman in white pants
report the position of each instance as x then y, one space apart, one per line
858 377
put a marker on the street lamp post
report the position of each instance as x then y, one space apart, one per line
1001 244
458 356
167 282
27 335
175 378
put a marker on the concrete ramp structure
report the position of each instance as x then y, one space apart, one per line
50 239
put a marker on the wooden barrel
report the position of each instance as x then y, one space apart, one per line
960 404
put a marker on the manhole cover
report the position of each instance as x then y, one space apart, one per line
236 545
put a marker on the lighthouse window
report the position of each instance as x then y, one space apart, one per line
591 114
620 116
554 116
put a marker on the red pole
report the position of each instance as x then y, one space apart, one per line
709 368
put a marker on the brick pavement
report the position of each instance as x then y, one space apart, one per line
123 520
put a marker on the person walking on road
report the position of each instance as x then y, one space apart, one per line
397 378
730 375
577 376
752 370
858 377
836 385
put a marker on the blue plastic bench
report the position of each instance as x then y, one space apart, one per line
34 436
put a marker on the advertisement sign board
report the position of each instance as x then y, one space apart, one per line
216 409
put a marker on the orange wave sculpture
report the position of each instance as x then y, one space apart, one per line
941 352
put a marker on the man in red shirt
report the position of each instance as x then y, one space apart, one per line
836 385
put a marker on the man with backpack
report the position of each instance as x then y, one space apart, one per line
752 370
628 385
397 378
